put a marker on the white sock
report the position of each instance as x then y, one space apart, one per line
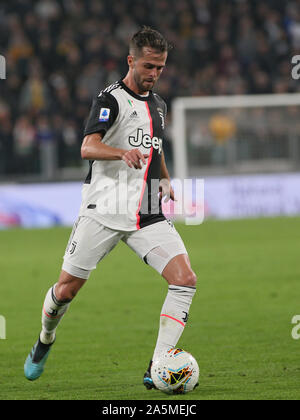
52 313
173 317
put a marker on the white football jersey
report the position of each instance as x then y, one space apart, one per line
120 197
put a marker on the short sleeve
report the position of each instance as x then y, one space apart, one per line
103 114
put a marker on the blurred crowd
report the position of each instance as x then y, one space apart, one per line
60 53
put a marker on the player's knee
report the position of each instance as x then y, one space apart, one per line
68 286
187 278
191 279
65 292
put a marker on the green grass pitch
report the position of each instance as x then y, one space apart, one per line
239 328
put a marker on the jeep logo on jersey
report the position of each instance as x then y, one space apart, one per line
145 140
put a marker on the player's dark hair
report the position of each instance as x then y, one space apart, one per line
148 37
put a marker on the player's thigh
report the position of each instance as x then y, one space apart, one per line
89 243
157 244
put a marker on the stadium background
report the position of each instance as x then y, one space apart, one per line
59 54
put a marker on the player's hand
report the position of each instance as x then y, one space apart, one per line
166 190
134 157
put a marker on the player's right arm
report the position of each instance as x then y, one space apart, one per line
102 116
93 148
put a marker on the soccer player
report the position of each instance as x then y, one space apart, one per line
121 200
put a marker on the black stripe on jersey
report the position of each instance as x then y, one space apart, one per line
89 175
146 218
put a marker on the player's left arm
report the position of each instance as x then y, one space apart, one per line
165 188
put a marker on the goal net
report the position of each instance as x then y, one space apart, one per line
235 135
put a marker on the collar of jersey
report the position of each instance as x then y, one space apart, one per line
136 96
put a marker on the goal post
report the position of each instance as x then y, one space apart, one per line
235 134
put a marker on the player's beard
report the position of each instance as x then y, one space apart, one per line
140 83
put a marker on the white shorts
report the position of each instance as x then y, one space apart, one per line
90 241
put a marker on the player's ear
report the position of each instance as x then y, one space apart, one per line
130 60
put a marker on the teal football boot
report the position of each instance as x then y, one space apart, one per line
35 362
147 381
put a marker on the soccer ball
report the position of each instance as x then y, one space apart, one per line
175 372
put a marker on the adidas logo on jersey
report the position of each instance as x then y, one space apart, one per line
134 115
145 140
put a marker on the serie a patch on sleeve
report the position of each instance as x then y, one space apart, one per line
104 114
